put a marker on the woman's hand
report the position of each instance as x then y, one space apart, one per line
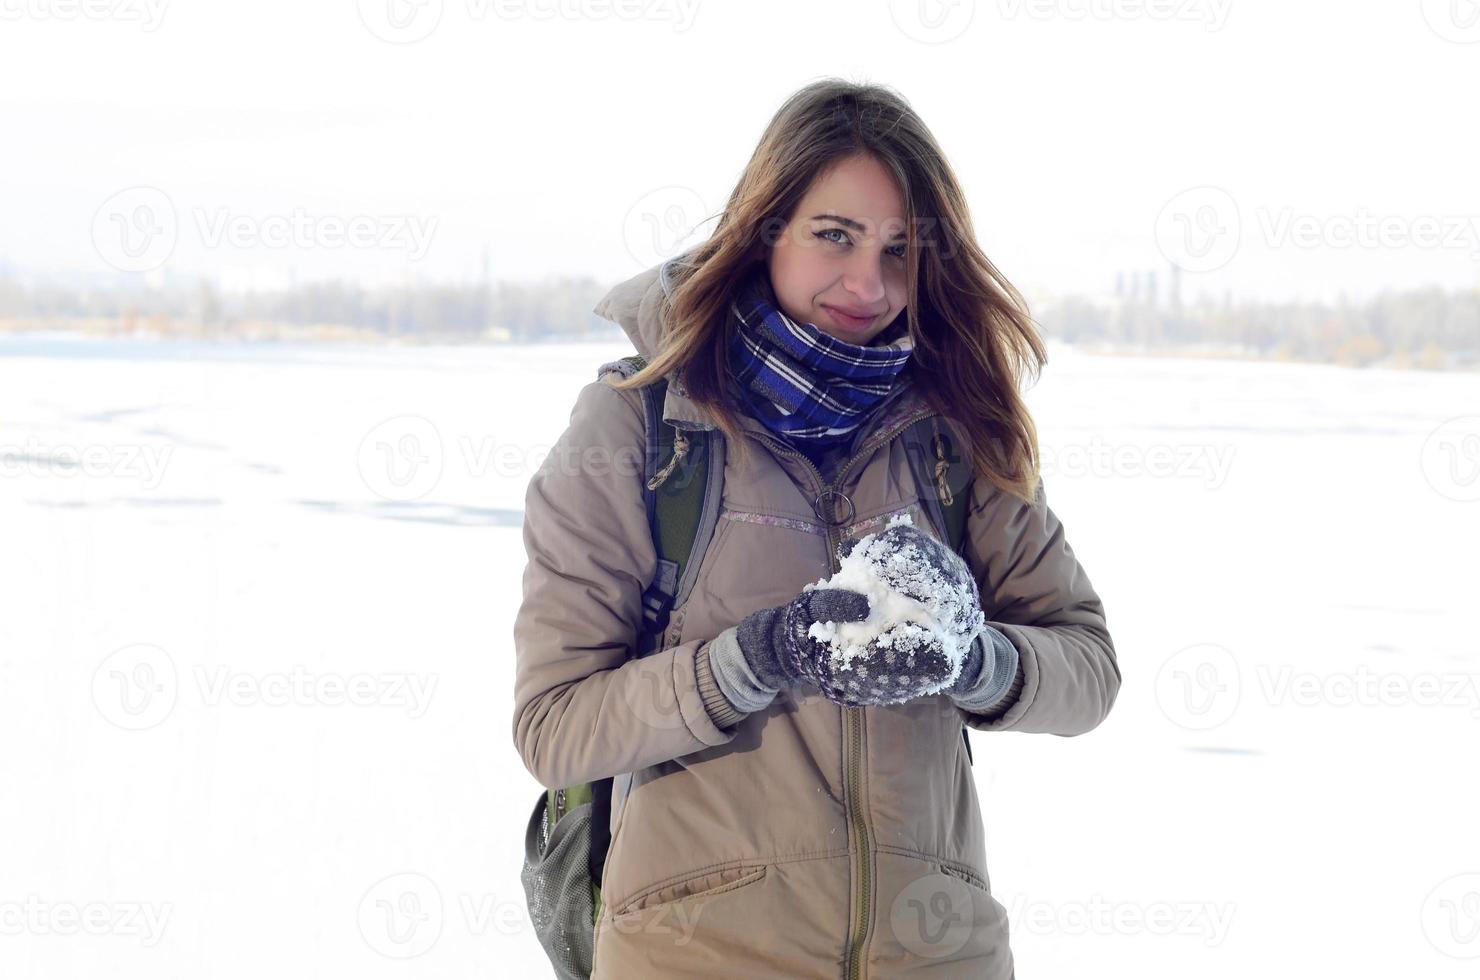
903 664
917 565
907 660
776 644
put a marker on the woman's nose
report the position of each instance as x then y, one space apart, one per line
865 279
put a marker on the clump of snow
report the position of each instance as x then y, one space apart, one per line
915 612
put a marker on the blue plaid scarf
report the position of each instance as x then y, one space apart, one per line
807 387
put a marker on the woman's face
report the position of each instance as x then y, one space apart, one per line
844 252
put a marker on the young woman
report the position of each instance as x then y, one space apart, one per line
785 817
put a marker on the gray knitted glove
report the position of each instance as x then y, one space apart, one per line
771 649
988 672
907 661
775 641
780 653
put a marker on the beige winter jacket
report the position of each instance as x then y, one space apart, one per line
806 839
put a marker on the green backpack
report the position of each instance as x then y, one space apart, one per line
569 831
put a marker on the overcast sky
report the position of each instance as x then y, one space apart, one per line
1278 148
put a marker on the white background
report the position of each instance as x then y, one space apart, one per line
1286 552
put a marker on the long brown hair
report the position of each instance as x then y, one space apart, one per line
973 338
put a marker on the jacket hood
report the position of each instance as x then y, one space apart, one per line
633 305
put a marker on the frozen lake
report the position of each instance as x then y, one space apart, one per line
257 666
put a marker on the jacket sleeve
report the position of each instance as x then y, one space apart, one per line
1035 592
583 708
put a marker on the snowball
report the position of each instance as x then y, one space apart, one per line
911 606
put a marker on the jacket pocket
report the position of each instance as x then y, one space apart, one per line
704 883
970 877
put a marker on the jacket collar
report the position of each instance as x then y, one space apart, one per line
635 304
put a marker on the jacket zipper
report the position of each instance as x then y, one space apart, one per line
862 858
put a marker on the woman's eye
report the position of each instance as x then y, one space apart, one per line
902 248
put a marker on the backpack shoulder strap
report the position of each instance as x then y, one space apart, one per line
943 479
943 476
682 474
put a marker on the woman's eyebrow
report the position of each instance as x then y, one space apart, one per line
852 225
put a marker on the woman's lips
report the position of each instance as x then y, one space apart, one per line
844 320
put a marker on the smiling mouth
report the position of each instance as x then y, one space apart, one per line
848 319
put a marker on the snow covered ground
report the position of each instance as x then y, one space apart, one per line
255 666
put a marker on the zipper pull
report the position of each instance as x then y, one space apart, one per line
680 453
942 468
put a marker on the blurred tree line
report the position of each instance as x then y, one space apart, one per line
1430 328
557 309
